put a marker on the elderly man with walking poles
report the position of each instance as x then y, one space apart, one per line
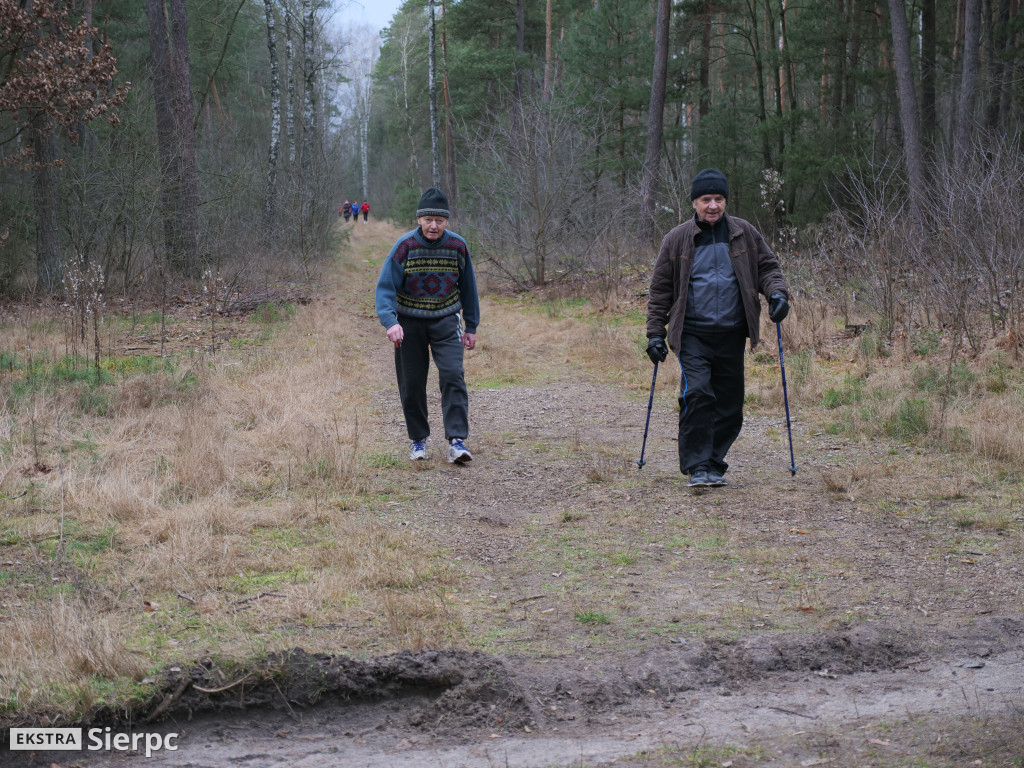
703 306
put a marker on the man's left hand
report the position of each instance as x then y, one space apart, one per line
469 340
778 307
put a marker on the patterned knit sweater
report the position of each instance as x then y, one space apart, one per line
428 280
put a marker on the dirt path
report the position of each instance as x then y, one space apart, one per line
608 614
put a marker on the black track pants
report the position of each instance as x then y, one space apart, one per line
443 339
710 398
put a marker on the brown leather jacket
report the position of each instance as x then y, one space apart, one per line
756 267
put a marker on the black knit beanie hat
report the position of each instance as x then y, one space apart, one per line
710 181
434 202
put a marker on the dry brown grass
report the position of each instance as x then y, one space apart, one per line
213 508
232 506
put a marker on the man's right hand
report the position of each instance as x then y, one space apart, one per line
396 334
656 349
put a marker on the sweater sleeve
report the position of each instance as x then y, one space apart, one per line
468 295
386 296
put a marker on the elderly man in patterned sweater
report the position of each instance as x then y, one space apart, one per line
426 280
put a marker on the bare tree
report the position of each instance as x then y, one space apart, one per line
929 55
655 121
187 209
48 260
291 94
274 148
450 177
968 83
547 51
173 99
50 76
537 218
363 47
912 153
309 91
435 155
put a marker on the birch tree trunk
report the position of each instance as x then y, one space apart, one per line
405 42
291 96
270 200
655 122
309 132
450 178
435 155
364 133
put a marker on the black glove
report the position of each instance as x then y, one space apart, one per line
656 349
778 307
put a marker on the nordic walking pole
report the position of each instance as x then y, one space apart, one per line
650 402
785 399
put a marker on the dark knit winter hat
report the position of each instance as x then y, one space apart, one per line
710 181
434 202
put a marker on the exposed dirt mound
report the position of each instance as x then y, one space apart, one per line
452 689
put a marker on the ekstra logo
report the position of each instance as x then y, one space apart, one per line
97 739
24 739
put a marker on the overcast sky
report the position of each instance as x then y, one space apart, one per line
376 13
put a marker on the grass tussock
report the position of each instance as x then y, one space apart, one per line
66 647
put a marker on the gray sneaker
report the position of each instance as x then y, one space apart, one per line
418 450
699 479
715 479
458 453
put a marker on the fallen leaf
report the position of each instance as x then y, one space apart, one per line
147 605
880 742
797 530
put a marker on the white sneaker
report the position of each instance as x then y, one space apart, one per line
457 452
418 450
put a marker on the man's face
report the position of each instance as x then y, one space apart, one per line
433 226
709 208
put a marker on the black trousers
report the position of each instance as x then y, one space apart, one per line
710 398
441 338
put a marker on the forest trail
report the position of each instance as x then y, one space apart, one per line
774 622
